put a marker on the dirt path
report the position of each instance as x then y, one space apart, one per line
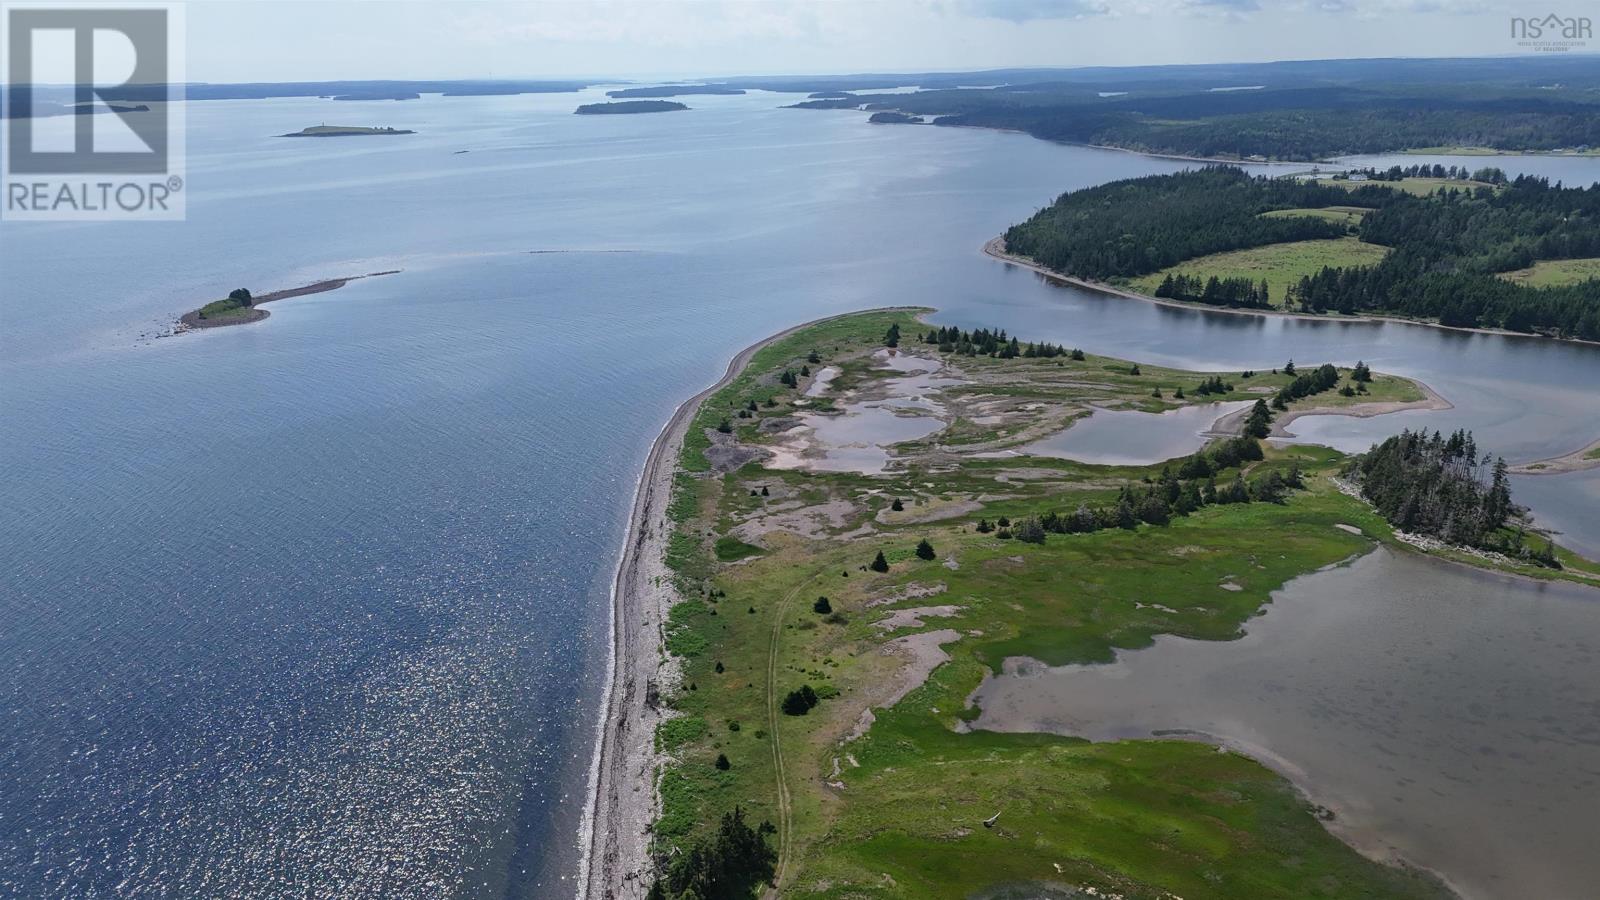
785 808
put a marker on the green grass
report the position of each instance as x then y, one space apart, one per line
224 309
1555 272
730 549
1344 215
1280 264
1594 453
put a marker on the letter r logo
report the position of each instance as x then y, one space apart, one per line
107 56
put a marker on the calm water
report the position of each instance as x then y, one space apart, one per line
1449 716
1130 437
319 606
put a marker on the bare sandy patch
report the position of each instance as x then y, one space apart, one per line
913 591
806 521
922 653
912 618
1585 457
929 511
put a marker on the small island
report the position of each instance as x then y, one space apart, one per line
344 131
628 107
240 307
895 118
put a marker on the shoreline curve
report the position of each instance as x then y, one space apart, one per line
995 249
622 799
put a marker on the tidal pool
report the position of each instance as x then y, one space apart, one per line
1448 716
859 437
1128 437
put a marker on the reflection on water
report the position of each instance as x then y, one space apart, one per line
1129 437
1449 715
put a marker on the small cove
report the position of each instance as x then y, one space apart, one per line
1450 717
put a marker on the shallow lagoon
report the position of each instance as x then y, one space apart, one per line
1129 437
1449 716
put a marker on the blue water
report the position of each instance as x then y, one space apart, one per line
318 607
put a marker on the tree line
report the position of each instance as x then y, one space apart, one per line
1175 492
995 343
1231 292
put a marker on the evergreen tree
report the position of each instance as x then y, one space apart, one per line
879 564
1030 531
1258 423
728 865
822 606
925 550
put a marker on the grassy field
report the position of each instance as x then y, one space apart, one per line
1346 215
1555 272
894 806
1280 264
224 309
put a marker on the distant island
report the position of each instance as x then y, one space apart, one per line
344 131
674 90
895 118
628 107
242 308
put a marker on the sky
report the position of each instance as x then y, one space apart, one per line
282 40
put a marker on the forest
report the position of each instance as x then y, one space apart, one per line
1446 249
1285 113
1441 487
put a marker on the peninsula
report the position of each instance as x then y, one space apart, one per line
344 131
834 546
241 308
629 107
1385 244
